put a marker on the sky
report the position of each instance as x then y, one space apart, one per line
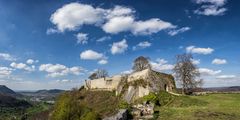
58 44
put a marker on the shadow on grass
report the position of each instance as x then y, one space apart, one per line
214 115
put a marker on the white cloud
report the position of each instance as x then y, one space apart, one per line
150 26
226 77
217 61
6 56
31 61
193 49
104 38
118 19
211 7
196 62
51 31
119 47
118 24
142 45
127 72
102 62
91 55
22 66
181 30
74 15
64 81
59 70
206 71
82 38
5 71
161 65
119 11
128 23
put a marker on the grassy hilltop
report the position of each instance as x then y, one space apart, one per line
207 107
81 105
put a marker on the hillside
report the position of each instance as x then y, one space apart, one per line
85 105
7 91
9 101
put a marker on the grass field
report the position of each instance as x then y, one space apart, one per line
206 107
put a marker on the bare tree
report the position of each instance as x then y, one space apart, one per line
93 76
100 73
187 73
141 63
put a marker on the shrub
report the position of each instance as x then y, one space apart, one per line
123 104
164 98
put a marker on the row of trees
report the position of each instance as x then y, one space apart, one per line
184 70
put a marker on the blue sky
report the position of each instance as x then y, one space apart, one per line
57 44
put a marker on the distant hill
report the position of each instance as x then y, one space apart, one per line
223 89
9 101
52 91
7 91
43 94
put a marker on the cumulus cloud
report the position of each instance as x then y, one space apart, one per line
217 61
161 65
104 38
177 31
73 15
211 7
58 70
128 23
102 62
226 77
22 66
91 55
119 47
142 45
197 50
206 71
6 56
196 62
82 38
31 61
114 20
5 71
118 24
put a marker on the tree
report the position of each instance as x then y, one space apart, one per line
140 64
187 73
93 76
100 73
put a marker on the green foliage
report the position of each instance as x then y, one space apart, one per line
139 82
151 97
69 108
123 104
85 105
164 98
90 116
160 99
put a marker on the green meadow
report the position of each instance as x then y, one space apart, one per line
205 107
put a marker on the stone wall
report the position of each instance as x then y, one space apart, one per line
108 83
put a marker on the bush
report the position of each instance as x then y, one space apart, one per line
123 105
85 105
164 98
